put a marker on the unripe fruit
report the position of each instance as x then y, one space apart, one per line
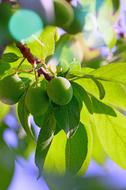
63 13
11 89
79 19
36 100
60 90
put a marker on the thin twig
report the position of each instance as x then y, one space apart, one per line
20 63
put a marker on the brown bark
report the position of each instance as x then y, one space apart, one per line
33 60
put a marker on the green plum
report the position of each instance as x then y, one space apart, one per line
11 89
60 91
63 13
36 100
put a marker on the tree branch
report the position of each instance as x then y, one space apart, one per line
69 1
33 60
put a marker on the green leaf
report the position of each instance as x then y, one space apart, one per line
74 67
101 108
71 68
115 92
23 116
7 166
44 140
63 67
55 162
110 130
82 96
48 39
112 134
88 85
6 67
98 152
12 48
111 72
109 124
87 160
80 72
68 116
113 79
9 57
5 70
76 150
39 120
69 155
100 87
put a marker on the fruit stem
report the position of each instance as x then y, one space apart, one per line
69 1
20 63
24 71
35 73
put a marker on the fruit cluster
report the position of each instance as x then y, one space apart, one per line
38 97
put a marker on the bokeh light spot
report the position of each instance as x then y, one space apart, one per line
24 23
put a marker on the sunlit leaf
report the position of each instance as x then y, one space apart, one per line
76 150
111 72
68 116
98 152
100 87
44 46
61 157
111 132
82 96
23 115
55 161
44 140
79 72
12 54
